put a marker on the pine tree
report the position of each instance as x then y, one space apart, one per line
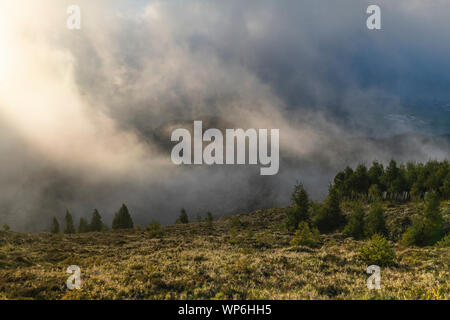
96 222
375 222
300 209
83 226
55 226
330 217
70 228
183 219
122 219
355 225
427 228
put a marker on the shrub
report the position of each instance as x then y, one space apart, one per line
377 251
355 225
235 222
444 243
329 216
122 219
375 222
6 227
155 230
304 236
428 227
183 218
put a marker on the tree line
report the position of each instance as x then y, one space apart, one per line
122 220
308 219
396 182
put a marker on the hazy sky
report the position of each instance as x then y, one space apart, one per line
78 109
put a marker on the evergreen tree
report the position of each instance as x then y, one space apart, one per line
427 228
375 222
375 174
96 222
122 219
70 228
55 226
83 226
355 225
183 218
361 181
300 209
330 216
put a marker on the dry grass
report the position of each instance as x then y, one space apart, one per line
246 259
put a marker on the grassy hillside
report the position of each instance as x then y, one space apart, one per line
248 257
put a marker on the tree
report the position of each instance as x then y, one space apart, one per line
183 218
361 180
6 227
375 222
330 217
209 219
96 222
300 209
83 226
55 226
428 227
122 219
375 173
355 225
70 228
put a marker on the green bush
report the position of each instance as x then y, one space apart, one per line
377 252
444 243
304 236
355 225
155 230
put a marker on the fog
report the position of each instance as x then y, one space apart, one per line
86 115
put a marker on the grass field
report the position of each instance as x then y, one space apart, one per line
249 257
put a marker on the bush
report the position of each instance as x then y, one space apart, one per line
428 227
375 222
155 230
444 243
377 252
6 227
355 225
305 237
